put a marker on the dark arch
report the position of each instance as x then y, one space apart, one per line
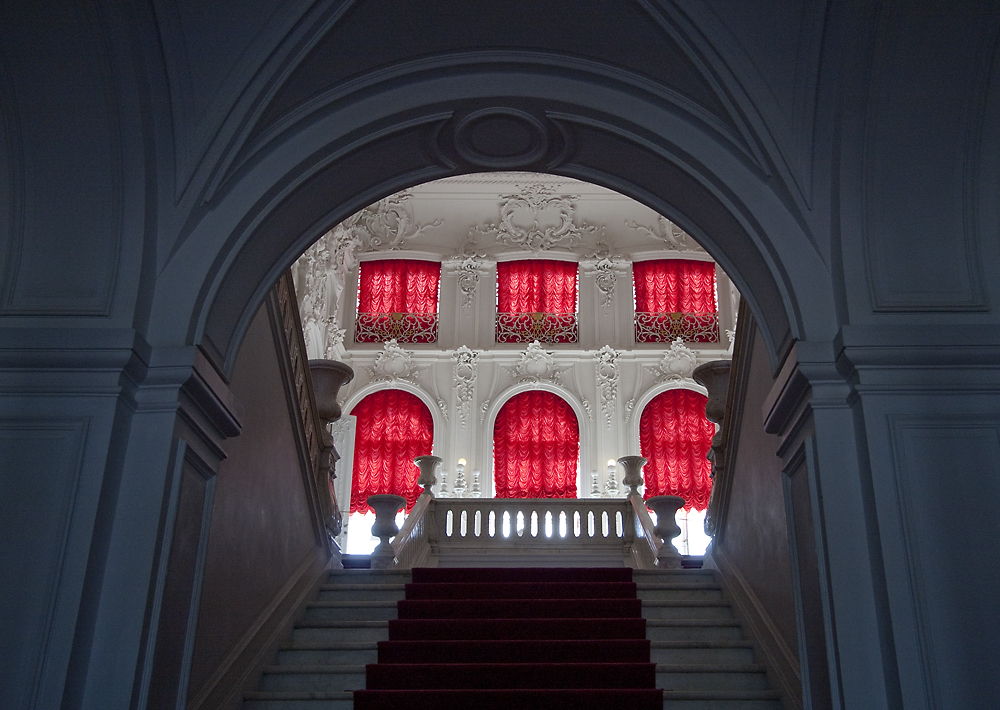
415 148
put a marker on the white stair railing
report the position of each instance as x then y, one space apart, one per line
485 530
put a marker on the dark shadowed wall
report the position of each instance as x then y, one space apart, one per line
264 548
751 547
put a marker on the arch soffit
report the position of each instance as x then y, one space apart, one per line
700 186
437 416
649 395
493 411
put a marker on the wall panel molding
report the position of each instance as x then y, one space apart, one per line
45 457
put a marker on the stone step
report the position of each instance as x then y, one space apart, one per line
687 609
339 631
367 592
700 629
336 678
369 576
329 654
673 575
298 700
322 611
712 676
701 652
705 591
721 700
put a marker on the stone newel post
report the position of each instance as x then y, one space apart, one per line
386 506
328 376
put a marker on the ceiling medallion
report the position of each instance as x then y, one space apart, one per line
501 138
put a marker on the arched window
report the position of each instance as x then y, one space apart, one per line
536 300
675 298
675 436
393 427
536 447
398 300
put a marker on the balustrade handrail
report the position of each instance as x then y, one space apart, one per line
616 524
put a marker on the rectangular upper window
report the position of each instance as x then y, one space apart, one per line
675 298
398 300
536 300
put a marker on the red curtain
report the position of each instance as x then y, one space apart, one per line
393 428
675 436
674 286
536 447
399 286
536 286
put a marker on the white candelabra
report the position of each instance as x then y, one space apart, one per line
611 486
459 487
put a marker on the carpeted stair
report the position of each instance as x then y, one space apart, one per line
517 638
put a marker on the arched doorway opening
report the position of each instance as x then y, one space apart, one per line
392 428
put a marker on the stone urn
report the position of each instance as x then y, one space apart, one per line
714 376
428 466
633 472
328 377
666 528
386 506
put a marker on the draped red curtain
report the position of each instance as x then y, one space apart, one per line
399 286
393 428
536 447
674 286
675 436
536 286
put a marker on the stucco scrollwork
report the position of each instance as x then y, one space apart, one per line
605 267
394 363
536 218
606 363
387 224
678 363
466 362
675 238
537 364
468 267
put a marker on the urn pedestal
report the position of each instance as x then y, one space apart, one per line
666 529
386 506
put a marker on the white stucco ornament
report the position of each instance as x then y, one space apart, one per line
606 364
393 363
535 362
465 380
678 362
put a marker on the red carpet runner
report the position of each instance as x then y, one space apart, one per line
515 639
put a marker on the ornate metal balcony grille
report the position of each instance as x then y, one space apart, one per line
401 327
543 327
667 327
